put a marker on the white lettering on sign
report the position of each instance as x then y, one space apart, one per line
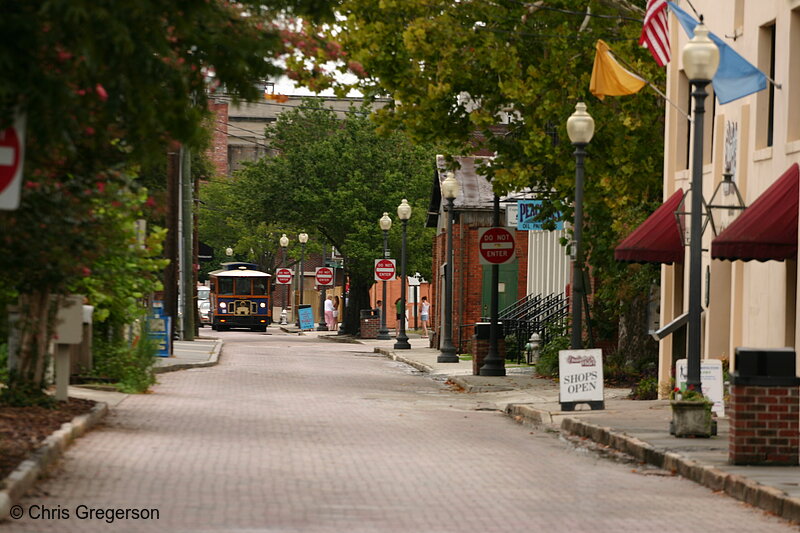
6 156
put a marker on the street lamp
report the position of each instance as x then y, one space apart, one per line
303 238
323 296
580 128
385 224
700 62
284 242
403 213
448 351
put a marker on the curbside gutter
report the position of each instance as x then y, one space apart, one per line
422 367
213 360
18 482
767 498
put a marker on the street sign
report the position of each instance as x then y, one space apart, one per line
324 276
283 276
385 269
12 154
496 246
527 213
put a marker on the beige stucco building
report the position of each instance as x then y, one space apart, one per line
757 138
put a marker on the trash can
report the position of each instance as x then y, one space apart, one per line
765 403
480 344
370 324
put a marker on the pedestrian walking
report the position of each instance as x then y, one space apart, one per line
329 313
401 313
424 310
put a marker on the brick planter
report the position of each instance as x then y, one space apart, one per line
765 409
479 345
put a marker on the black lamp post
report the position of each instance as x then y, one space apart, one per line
303 238
403 213
448 351
580 128
323 294
284 242
494 364
700 61
385 224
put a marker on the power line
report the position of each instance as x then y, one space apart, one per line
576 13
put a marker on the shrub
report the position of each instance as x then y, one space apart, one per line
548 355
130 366
645 389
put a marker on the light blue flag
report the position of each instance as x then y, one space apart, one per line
736 77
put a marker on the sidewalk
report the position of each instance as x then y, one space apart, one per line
638 428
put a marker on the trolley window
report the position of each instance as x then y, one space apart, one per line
225 286
259 287
243 286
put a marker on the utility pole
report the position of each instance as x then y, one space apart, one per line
187 245
171 243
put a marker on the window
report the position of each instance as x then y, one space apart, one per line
242 286
259 287
225 286
793 103
765 101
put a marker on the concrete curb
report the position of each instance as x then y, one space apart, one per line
468 387
741 488
422 367
213 360
23 478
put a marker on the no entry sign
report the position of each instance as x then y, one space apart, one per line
283 276
385 269
12 154
324 276
496 246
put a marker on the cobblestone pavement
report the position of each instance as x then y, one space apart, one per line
292 434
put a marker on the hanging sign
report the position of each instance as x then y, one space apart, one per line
527 213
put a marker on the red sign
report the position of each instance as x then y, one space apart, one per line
11 157
283 276
324 276
385 269
496 246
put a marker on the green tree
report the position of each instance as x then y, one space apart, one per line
106 85
335 178
454 68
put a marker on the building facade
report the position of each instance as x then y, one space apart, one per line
749 299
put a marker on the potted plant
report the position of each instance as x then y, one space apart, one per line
691 414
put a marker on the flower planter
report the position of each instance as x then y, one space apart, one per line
691 419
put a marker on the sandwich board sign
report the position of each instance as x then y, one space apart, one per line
580 378
710 381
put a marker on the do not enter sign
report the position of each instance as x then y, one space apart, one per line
385 269
324 276
496 246
12 153
283 276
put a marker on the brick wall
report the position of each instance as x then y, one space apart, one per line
764 425
468 277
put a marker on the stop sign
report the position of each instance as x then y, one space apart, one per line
385 269
283 276
324 276
11 156
496 246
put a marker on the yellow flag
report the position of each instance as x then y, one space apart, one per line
609 78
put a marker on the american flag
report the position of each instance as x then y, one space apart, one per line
655 32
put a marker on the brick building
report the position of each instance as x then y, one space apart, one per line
471 280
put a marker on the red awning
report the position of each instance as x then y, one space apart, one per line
657 239
767 229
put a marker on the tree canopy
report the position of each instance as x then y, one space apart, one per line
334 177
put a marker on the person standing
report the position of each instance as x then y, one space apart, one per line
424 310
337 304
329 312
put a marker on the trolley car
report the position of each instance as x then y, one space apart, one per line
240 297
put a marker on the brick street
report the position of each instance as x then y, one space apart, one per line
290 434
